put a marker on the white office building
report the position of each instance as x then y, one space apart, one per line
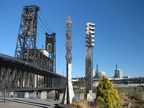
118 73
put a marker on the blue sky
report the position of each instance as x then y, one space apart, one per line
119 33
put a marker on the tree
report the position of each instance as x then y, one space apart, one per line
107 95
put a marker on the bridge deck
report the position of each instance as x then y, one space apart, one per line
15 63
32 89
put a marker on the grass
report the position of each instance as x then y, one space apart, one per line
133 95
80 104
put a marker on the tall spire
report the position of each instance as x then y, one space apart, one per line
96 68
116 67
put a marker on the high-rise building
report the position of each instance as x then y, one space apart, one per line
118 73
99 74
102 73
94 73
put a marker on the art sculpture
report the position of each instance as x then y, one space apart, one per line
69 93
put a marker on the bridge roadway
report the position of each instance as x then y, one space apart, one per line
22 80
139 80
26 89
11 62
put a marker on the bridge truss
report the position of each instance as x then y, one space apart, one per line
17 75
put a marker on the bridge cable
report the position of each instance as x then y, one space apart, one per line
44 24
41 28
45 21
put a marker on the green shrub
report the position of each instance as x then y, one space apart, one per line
107 95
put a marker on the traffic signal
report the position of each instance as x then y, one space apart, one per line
90 27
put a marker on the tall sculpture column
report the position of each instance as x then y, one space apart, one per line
90 27
69 93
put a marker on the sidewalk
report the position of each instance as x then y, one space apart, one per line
28 103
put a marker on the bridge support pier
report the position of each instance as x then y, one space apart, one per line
26 95
11 94
43 95
32 95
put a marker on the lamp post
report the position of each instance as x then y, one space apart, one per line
90 27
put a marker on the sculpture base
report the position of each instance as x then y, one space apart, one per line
91 96
69 93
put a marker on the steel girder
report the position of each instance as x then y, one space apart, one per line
26 42
13 78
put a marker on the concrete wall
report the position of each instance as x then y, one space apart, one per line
51 95
32 95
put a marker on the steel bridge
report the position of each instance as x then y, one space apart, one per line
19 75
31 68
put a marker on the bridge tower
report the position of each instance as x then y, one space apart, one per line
26 41
50 47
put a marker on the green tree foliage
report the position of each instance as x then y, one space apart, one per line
107 95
